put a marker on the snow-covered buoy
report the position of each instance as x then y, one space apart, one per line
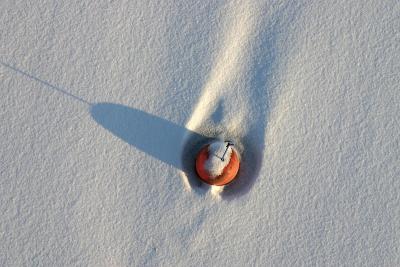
217 163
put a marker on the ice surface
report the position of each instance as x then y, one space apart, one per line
103 105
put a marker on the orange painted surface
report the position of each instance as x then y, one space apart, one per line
228 174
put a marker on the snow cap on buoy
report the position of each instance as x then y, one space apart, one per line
217 163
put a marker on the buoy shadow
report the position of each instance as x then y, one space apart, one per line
157 137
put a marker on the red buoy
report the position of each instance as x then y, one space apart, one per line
217 163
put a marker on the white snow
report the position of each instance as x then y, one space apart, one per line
219 157
103 105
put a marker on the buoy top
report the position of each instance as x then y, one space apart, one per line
219 156
217 163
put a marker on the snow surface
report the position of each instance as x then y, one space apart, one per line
219 157
104 103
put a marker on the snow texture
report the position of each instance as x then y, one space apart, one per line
104 105
219 157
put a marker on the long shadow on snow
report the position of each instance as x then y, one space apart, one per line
158 137
161 138
155 136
